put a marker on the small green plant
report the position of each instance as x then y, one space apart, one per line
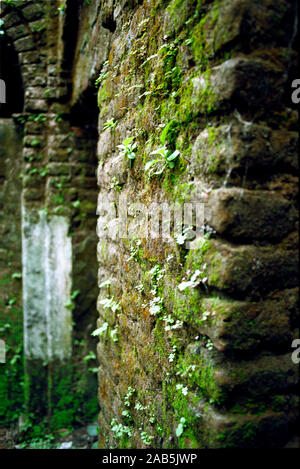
110 303
171 323
44 171
181 427
115 184
113 334
38 28
129 394
5 327
156 274
103 75
128 149
146 439
105 283
21 119
182 388
134 250
119 429
139 406
76 204
35 142
70 304
156 305
192 283
39 443
17 275
110 125
126 413
209 345
1 30
101 330
13 3
58 210
183 235
167 159
59 117
90 356
62 7
33 117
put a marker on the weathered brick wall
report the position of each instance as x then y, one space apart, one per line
58 200
11 324
208 365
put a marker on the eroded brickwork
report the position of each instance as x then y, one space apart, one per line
211 80
58 195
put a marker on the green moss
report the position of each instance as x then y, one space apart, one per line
186 306
199 44
168 76
56 396
249 406
197 98
182 192
206 254
12 372
173 176
179 12
195 259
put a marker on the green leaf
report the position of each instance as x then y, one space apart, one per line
127 140
92 430
161 170
150 164
16 275
101 330
106 283
76 204
75 294
180 428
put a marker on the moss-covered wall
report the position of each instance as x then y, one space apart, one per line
54 172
